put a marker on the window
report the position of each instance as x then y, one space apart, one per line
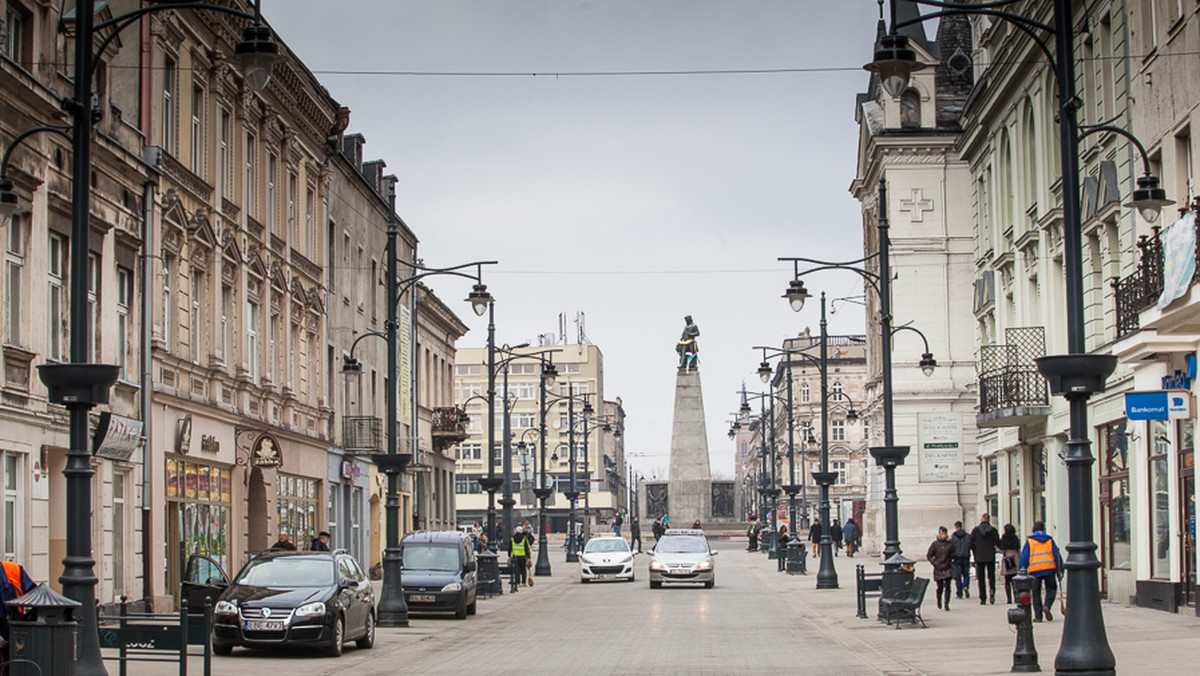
223 176
330 278
291 210
272 198
118 532
469 452
168 308
310 237
805 395
835 391
15 273
1160 500
168 105
356 519
1115 506
226 310
296 500
837 430
910 110
93 305
196 317
468 369
14 505
198 497
18 42
467 485
197 131
331 503
839 467
272 336
1037 488
1014 488
248 179
991 498
124 301
57 309
252 339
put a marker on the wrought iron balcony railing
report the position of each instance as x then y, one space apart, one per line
1010 386
362 434
1141 289
449 426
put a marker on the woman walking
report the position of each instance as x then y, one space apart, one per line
1010 554
939 555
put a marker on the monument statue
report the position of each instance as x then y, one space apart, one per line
686 347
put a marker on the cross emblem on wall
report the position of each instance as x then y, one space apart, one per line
917 206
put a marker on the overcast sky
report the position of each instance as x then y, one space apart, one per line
622 181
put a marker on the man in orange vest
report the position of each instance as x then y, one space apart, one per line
1040 558
13 583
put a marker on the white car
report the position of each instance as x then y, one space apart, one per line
606 557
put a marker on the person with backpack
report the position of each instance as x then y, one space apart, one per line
985 540
835 536
752 533
850 535
960 560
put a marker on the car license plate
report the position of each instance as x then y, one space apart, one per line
422 598
602 577
264 625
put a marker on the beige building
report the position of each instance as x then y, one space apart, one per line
581 372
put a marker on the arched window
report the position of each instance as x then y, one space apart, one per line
835 391
910 110
804 394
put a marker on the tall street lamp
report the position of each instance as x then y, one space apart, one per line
1076 375
392 611
79 385
572 494
769 480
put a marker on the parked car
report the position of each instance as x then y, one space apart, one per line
682 555
439 572
606 557
320 599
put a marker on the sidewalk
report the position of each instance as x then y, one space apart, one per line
975 639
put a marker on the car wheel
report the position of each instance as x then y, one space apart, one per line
461 612
339 638
583 580
709 584
655 585
472 607
223 649
368 637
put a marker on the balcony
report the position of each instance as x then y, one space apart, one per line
1012 392
449 427
362 434
1140 290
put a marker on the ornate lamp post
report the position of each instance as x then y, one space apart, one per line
1075 375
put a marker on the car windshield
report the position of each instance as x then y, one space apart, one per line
605 545
430 557
682 544
287 572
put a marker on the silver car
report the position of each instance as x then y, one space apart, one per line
606 557
682 555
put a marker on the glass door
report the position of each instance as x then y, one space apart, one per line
1187 505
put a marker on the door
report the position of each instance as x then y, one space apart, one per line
352 597
203 579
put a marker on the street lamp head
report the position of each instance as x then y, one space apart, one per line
733 429
587 407
1149 199
928 364
8 200
744 409
351 368
479 298
256 55
852 415
796 294
894 63
764 372
549 374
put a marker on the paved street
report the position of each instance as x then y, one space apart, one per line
755 620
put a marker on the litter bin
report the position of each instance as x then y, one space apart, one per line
490 583
897 577
41 630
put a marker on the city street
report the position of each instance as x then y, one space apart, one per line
756 620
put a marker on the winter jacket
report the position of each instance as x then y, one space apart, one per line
985 540
814 532
939 555
1041 537
961 542
1010 554
835 532
850 532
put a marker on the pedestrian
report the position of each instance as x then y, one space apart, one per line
658 529
985 540
1040 558
835 536
1010 556
814 536
635 534
478 537
783 535
696 524
15 582
617 523
939 554
527 531
284 543
752 533
320 543
850 535
960 560
517 554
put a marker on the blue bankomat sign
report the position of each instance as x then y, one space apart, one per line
1159 405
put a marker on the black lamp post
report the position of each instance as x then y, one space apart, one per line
1076 375
79 385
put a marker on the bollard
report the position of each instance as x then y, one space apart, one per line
1025 657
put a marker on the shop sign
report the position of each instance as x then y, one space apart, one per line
351 470
266 452
1159 405
940 455
117 437
183 435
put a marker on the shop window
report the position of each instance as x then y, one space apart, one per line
1160 499
198 497
1114 494
296 502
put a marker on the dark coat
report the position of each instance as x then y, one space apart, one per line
961 541
635 528
939 555
814 532
850 532
985 540
835 532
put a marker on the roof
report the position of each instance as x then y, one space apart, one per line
434 537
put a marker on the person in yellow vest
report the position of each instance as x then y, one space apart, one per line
518 553
15 582
1040 558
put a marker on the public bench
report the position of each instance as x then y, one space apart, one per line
906 605
866 583
156 637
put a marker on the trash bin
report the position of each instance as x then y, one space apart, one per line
897 577
41 629
490 583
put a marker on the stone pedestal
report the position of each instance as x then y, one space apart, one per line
690 482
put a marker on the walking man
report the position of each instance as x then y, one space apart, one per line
1040 558
850 535
517 554
960 560
985 540
835 536
635 534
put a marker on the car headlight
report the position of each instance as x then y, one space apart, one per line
585 559
311 609
655 564
225 608
706 564
453 586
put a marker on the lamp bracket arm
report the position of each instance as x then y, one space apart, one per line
906 327
63 130
1024 24
456 271
870 277
120 23
354 344
1106 127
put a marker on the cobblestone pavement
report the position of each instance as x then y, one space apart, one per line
755 620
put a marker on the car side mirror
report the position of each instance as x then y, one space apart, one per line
469 567
712 553
348 583
215 581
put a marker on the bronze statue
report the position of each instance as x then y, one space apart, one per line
686 347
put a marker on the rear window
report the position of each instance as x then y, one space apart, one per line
287 572
430 557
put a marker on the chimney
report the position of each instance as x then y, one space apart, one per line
373 172
352 145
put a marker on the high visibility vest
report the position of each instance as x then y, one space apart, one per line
518 546
1041 556
13 572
